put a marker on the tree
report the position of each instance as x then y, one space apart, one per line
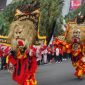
7 15
71 15
3 25
50 12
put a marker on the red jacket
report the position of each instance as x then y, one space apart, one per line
1 53
25 67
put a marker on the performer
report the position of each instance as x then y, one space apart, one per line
23 65
60 54
76 53
80 18
3 56
49 53
80 66
57 54
68 51
76 47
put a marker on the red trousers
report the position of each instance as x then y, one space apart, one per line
31 81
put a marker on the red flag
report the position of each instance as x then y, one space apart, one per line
74 4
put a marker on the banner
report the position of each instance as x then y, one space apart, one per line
4 40
74 4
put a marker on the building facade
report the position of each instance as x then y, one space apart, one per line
2 4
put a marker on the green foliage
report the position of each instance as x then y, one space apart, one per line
71 16
9 11
7 16
3 25
59 23
50 10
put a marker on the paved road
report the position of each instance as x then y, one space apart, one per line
51 74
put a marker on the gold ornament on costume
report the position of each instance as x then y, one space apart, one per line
73 26
25 24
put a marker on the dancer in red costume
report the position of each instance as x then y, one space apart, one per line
22 65
80 65
80 68
76 53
